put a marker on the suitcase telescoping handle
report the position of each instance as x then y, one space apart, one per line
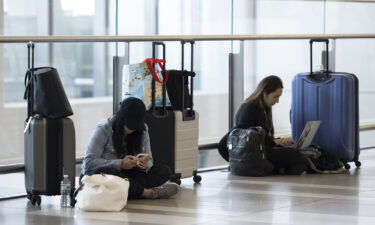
30 45
154 44
311 54
187 114
28 80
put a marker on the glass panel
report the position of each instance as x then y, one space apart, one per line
194 17
83 67
18 20
210 58
355 56
171 17
350 17
21 17
289 17
284 58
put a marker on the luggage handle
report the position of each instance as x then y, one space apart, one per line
311 54
187 114
29 87
163 72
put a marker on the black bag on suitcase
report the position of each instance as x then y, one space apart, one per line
44 91
247 152
178 85
49 143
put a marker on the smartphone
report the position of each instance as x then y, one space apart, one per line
142 155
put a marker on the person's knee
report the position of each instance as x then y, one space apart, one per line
162 171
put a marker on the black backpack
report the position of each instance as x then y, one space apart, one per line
247 152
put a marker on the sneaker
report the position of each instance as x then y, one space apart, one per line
166 190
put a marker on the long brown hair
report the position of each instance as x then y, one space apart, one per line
266 86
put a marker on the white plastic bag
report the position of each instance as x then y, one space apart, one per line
103 192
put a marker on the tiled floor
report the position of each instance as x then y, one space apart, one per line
225 199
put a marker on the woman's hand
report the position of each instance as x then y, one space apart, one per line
283 142
142 162
128 162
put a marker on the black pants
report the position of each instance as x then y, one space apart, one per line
139 180
287 160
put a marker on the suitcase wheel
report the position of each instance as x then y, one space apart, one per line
196 177
35 199
347 166
29 195
358 164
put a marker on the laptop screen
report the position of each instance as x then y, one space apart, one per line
307 134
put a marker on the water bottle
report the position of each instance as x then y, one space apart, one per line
65 187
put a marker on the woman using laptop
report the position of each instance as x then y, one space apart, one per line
120 145
257 111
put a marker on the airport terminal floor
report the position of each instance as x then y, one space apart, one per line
221 198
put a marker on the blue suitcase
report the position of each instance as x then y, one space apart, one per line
331 97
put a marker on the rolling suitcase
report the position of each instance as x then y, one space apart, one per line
49 146
49 153
174 133
331 97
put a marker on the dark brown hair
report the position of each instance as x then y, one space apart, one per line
268 85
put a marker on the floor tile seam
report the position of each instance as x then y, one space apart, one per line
319 214
286 206
123 217
187 210
208 221
322 186
301 194
295 217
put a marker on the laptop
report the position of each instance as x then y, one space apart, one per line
307 135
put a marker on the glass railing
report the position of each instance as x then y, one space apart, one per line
91 92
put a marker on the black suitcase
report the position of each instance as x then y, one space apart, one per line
174 134
49 151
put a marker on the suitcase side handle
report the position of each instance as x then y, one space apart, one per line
311 54
187 114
